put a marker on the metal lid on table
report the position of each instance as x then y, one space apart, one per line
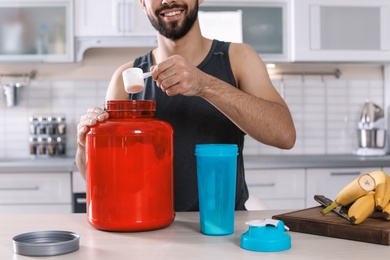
46 243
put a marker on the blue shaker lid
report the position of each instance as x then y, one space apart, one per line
268 235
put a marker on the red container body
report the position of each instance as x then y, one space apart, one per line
129 169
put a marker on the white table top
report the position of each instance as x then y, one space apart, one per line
181 240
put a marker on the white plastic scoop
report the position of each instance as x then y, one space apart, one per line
133 79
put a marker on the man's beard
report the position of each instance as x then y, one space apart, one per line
173 30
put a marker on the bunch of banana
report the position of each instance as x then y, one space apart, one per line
350 193
366 194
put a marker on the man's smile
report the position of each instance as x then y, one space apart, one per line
170 14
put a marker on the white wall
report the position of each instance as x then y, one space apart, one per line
69 98
325 113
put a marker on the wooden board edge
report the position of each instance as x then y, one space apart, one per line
293 223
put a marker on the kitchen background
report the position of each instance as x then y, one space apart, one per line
86 48
325 109
75 50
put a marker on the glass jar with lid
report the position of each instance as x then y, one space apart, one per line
33 125
51 146
61 126
61 146
51 126
33 145
41 146
42 125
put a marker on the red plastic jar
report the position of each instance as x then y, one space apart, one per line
129 169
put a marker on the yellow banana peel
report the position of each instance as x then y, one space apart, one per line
351 192
382 188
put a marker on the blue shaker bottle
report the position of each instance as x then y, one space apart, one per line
216 170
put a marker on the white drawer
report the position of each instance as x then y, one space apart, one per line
284 204
276 184
330 181
40 208
35 188
78 183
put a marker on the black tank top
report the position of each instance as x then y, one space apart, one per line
196 121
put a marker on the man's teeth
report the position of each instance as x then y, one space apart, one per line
172 13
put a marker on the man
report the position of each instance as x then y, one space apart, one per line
210 92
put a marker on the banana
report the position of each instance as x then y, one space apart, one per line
350 193
382 188
386 211
386 196
362 208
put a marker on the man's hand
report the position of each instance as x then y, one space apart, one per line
177 76
93 116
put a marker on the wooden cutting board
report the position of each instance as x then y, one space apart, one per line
375 229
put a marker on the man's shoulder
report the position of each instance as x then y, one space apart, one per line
240 46
143 60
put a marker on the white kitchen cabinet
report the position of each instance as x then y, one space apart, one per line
277 188
329 181
111 23
111 18
35 193
78 183
36 31
265 25
341 30
79 189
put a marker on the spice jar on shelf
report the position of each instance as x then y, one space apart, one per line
41 126
33 145
61 146
51 127
41 145
33 125
51 146
61 126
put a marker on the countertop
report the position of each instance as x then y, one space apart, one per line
181 240
314 161
251 162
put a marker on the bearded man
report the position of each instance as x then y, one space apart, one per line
209 91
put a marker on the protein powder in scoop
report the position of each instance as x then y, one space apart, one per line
133 80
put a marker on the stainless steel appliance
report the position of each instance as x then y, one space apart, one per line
11 85
371 130
11 93
79 202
